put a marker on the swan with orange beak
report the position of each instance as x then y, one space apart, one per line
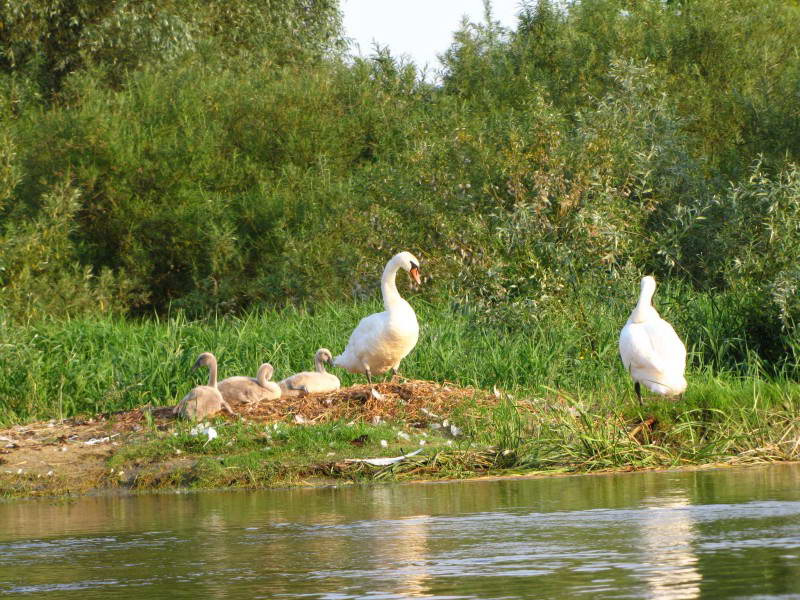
381 341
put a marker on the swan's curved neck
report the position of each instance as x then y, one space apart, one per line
388 286
644 308
264 373
319 367
212 373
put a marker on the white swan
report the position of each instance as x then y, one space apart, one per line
312 382
650 349
203 400
250 390
382 340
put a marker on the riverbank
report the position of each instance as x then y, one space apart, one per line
323 439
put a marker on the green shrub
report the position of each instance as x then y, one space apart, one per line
40 274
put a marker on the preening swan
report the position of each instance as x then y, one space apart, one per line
382 340
650 349
250 389
312 382
204 400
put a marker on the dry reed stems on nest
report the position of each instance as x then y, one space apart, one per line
412 401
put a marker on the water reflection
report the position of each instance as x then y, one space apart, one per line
402 542
678 535
668 534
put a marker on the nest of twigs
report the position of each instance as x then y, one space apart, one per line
409 400
412 401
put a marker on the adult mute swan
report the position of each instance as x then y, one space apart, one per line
251 390
312 382
382 340
203 400
650 349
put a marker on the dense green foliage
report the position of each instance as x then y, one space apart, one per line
216 157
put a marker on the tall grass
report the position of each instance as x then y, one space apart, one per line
60 368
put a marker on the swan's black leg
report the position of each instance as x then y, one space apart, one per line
372 392
638 389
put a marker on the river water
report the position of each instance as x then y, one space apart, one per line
725 533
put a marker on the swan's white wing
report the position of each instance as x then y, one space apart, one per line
636 349
369 329
654 356
362 341
667 346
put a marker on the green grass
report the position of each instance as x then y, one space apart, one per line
258 454
58 369
731 421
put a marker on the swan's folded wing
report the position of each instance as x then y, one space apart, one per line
363 338
636 349
667 346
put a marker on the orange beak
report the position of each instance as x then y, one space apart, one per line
414 272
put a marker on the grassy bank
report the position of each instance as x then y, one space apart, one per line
725 422
563 401
549 168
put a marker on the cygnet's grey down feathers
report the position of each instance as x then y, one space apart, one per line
250 390
311 382
204 400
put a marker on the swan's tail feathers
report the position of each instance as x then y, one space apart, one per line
673 386
340 361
